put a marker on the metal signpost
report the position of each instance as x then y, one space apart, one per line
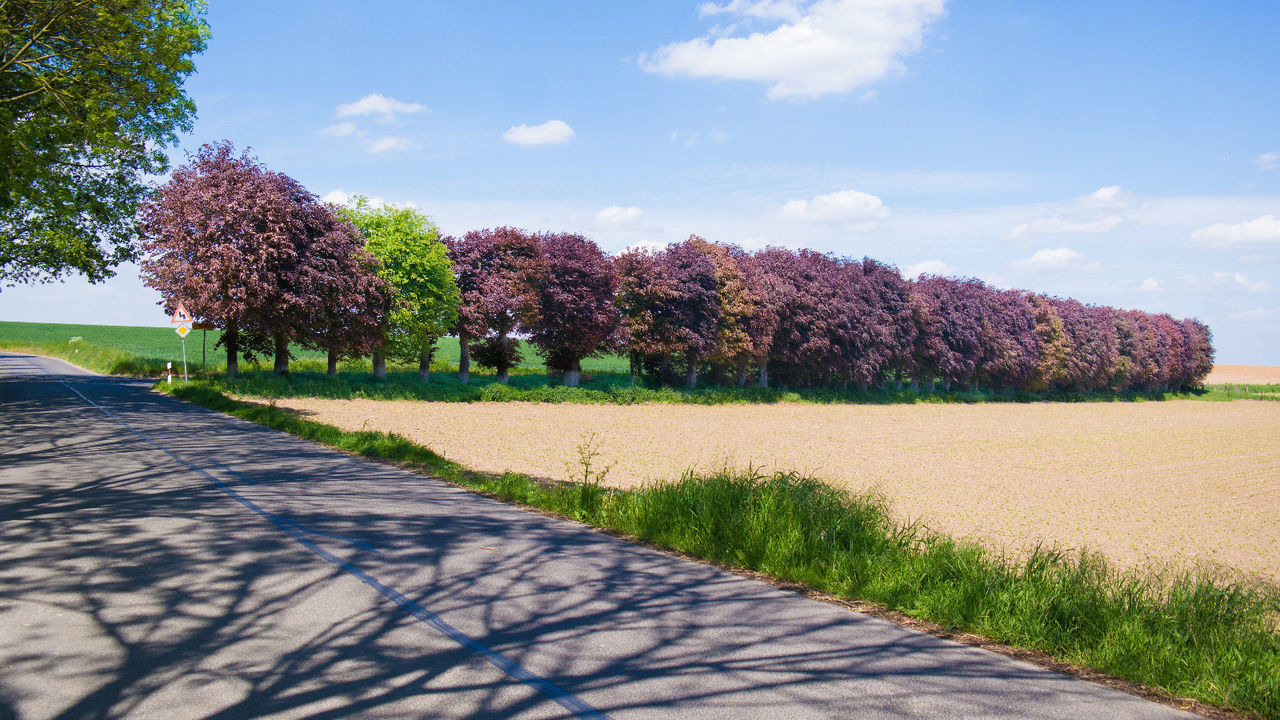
181 317
204 329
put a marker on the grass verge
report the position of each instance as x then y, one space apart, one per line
1190 636
616 389
99 359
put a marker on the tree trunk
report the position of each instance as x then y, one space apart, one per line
464 358
635 365
424 364
692 376
504 372
897 379
862 386
380 363
333 363
231 339
572 375
282 355
946 386
764 373
666 369
915 385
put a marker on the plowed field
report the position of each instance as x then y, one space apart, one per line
1170 482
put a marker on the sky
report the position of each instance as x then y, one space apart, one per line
1125 154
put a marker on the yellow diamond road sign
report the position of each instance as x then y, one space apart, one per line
182 331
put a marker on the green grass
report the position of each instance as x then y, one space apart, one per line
1189 635
154 346
143 351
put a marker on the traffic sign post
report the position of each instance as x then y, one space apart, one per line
182 331
182 318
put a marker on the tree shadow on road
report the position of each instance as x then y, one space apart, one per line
132 584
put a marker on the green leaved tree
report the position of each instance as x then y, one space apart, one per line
90 93
424 302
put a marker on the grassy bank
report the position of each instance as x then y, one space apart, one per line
1187 635
143 352
616 388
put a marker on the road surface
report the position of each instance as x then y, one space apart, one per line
158 560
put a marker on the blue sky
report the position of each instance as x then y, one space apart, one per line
1119 153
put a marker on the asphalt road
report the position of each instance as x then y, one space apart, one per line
161 561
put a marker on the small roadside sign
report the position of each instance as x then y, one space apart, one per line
203 326
180 315
182 331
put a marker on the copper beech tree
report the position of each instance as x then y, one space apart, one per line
254 253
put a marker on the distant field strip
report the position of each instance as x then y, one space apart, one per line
1167 482
1244 374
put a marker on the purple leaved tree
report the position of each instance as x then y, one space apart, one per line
575 315
256 254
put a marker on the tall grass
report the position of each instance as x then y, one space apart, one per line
1187 634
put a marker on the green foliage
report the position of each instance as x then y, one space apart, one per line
417 265
90 92
1190 635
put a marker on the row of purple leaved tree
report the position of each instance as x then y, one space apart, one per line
703 310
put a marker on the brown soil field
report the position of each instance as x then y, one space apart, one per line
1244 374
1178 482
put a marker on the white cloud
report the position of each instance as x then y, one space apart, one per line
337 197
1267 161
342 129
1106 194
1150 285
1059 226
649 245
392 144
851 206
1111 196
1056 259
1257 232
1236 281
831 46
928 267
384 107
342 197
551 132
616 215
760 9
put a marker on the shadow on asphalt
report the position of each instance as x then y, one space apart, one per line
130 583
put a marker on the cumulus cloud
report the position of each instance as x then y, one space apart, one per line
392 144
760 9
342 197
1267 161
649 246
830 46
1149 285
617 215
342 129
1060 226
928 267
552 132
383 107
1251 233
849 206
1056 259
337 197
1237 281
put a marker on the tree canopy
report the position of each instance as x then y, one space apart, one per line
256 254
90 93
416 265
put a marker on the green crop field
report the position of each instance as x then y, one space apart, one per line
154 346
